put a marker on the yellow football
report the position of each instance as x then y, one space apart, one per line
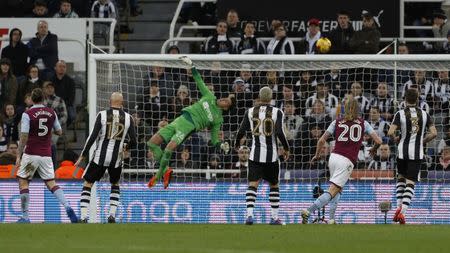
323 45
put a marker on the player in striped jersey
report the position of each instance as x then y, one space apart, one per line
348 132
110 129
265 123
206 113
412 123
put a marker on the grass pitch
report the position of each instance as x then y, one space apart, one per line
98 238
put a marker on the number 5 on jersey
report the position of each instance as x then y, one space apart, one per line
43 129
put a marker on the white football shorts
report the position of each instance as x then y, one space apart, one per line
31 163
340 169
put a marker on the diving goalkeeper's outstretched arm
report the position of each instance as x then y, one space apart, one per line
197 77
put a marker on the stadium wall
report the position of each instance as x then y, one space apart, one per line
225 202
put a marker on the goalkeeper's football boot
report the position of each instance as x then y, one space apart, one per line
305 216
397 212
71 214
249 220
85 220
401 219
23 220
152 181
275 222
167 177
111 219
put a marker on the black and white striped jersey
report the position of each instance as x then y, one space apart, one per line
109 132
412 123
385 105
442 90
426 88
265 122
364 103
381 164
381 127
330 101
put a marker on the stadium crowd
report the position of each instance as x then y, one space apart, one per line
309 99
230 38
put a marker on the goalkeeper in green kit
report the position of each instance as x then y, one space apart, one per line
206 113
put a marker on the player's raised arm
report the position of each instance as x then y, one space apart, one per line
197 77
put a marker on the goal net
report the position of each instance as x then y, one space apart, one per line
209 186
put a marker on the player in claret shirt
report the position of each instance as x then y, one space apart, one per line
348 131
35 145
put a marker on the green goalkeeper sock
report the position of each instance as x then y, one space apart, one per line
164 163
156 150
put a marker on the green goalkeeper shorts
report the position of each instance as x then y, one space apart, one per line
177 131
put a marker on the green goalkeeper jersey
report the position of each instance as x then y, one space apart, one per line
205 113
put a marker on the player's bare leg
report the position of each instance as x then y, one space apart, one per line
114 198
250 199
320 201
59 195
85 200
164 171
24 200
274 199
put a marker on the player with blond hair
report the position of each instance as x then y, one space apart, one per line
348 132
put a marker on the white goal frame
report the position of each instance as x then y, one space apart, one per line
140 58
